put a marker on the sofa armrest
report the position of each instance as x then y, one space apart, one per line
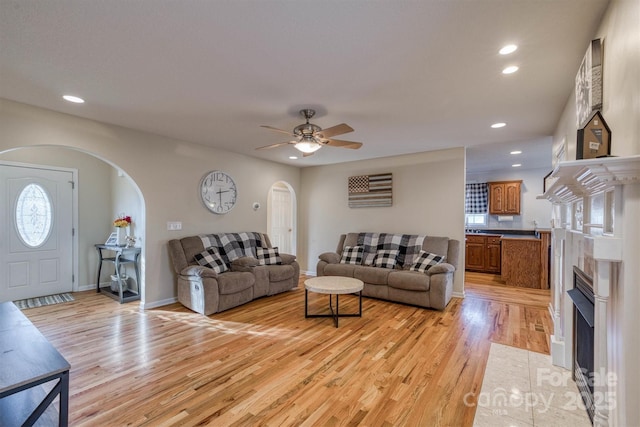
199 271
443 267
330 257
287 258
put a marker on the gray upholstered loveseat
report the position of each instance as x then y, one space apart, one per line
432 288
204 290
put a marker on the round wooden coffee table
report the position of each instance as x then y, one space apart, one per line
333 285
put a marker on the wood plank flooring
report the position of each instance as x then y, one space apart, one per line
264 364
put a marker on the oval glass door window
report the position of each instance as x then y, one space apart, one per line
33 215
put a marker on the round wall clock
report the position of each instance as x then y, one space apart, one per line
218 192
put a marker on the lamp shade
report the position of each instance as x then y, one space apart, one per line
308 146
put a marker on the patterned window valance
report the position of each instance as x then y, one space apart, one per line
476 198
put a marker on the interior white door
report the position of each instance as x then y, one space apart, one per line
281 233
36 219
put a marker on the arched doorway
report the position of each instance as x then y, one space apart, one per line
103 191
281 217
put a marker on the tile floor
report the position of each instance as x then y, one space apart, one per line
523 388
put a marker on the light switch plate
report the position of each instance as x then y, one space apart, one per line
174 225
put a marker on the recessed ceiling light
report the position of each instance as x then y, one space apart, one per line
510 70
516 152
510 48
517 165
293 157
498 125
74 99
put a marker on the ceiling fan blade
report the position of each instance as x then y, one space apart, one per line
308 154
345 144
335 130
276 129
275 145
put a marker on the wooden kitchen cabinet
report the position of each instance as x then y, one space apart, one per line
504 197
474 253
493 255
525 261
483 253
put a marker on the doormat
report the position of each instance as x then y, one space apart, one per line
41 301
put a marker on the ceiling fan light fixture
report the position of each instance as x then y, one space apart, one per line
309 138
307 146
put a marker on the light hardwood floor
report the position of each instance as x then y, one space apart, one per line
264 364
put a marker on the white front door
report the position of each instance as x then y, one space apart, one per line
281 233
36 220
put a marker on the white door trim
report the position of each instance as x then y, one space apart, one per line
74 207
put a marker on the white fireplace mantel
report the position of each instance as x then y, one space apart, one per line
580 178
572 184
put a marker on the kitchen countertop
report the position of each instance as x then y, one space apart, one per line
507 234
519 236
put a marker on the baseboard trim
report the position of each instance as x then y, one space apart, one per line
557 353
156 304
89 287
309 273
457 294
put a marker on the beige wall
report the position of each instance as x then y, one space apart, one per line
620 32
167 173
428 198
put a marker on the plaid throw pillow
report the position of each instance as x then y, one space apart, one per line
425 261
352 255
368 257
386 258
212 259
268 256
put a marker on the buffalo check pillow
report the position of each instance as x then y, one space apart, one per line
212 259
386 258
425 261
268 256
352 255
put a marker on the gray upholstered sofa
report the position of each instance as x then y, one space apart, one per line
203 290
432 288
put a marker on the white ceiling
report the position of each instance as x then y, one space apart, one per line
408 76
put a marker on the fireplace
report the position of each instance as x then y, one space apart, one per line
582 296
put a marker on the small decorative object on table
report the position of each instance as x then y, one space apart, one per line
131 241
120 223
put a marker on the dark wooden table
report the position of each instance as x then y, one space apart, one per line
28 360
122 255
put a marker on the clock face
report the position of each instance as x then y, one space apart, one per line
218 192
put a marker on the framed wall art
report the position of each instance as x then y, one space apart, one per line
589 83
559 154
366 191
548 181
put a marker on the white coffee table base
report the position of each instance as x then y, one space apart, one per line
333 285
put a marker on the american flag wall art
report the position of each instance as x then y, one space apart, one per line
367 191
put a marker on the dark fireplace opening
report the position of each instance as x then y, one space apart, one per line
582 296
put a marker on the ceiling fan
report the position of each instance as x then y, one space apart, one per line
309 138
